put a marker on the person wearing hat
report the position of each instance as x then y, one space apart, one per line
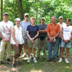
42 38
17 41
24 25
5 33
61 23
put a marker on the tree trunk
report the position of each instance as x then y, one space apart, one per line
20 9
1 10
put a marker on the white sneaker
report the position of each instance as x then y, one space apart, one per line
35 61
24 55
28 61
31 56
60 60
66 60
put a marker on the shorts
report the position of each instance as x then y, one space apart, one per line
64 44
32 45
25 42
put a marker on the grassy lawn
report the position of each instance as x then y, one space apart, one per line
41 66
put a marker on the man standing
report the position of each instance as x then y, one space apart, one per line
61 23
5 33
42 40
24 25
53 30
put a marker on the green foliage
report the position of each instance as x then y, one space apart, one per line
39 8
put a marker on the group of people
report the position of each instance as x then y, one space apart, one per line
25 34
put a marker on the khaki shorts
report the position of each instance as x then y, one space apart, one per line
25 42
32 45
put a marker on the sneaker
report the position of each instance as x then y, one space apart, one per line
13 65
35 61
28 61
37 57
31 56
66 60
49 60
44 57
60 60
54 60
1 62
24 55
18 62
8 61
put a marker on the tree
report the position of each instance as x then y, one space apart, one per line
20 9
1 10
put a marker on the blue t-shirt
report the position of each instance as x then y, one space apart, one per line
32 30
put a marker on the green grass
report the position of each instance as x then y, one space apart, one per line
42 64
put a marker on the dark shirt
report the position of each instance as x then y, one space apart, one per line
32 30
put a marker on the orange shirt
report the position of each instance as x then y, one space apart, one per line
53 30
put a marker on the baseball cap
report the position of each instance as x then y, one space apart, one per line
26 14
43 18
60 17
6 13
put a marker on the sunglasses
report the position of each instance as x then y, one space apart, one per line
26 16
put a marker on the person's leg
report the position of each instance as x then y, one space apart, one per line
9 48
50 45
16 54
39 48
2 49
34 45
68 46
29 51
58 44
34 52
67 52
62 50
20 49
24 48
44 45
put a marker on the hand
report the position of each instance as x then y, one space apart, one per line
51 39
32 40
59 35
5 40
66 41
17 45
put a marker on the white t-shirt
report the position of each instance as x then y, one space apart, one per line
5 28
61 25
67 32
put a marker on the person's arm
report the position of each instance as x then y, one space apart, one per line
70 37
56 35
42 31
28 35
13 35
36 35
48 34
62 33
1 36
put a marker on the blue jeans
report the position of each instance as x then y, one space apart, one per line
54 47
59 42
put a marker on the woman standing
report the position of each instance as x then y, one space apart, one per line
17 41
32 33
66 34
